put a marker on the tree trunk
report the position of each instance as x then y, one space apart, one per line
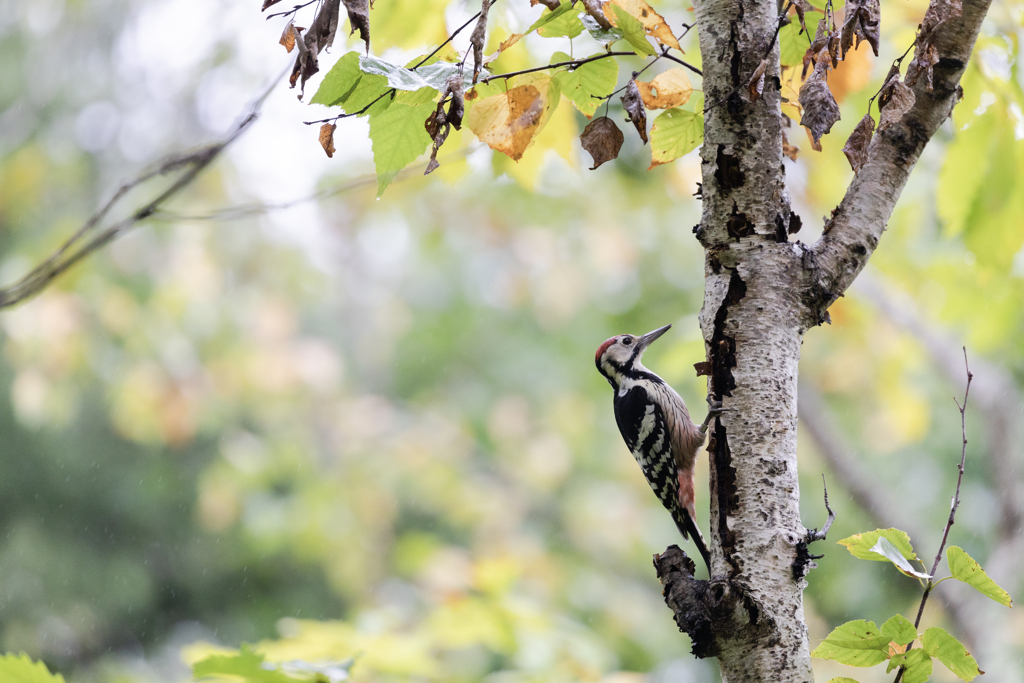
762 293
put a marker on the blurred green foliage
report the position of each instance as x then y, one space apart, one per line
373 429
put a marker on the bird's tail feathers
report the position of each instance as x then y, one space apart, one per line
688 528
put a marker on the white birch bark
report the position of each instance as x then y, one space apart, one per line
762 293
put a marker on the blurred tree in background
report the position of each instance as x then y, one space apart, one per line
385 413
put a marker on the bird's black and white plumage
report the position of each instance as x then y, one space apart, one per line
656 427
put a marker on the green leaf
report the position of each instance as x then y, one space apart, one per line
398 137
857 643
917 664
674 133
964 568
604 36
21 669
567 24
951 652
246 664
886 549
899 629
339 81
585 85
550 16
860 545
633 31
841 679
792 44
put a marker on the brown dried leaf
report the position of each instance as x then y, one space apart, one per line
801 7
901 99
602 139
925 58
789 150
654 24
667 90
595 9
815 145
820 42
288 37
756 83
820 108
476 40
359 17
269 3
440 122
856 147
634 106
327 138
550 4
886 90
457 108
862 20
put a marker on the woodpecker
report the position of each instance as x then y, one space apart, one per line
656 426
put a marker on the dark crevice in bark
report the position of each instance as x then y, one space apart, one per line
738 225
723 360
736 58
727 172
803 562
781 229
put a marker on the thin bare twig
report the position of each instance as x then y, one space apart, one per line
574 64
447 40
80 245
815 535
952 507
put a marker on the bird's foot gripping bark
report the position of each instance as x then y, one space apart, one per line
714 410
717 613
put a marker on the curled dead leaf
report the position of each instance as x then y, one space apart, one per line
863 18
815 145
634 106
288 37
756 83
901 99
359 17
602 139
801 7
269 3
925 58
856 147
305 61
820 108
667 90
550 4
476 40
325 25
327 138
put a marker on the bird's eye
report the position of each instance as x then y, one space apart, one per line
626 341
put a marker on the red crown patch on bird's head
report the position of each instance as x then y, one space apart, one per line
602 348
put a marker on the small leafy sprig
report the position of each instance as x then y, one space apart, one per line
861 643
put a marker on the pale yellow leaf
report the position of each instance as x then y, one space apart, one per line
667 90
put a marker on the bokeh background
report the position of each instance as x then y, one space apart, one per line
346 426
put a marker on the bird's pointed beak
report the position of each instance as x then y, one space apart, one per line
645 341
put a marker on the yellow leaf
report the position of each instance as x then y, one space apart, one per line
509 122
668 90
654 24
